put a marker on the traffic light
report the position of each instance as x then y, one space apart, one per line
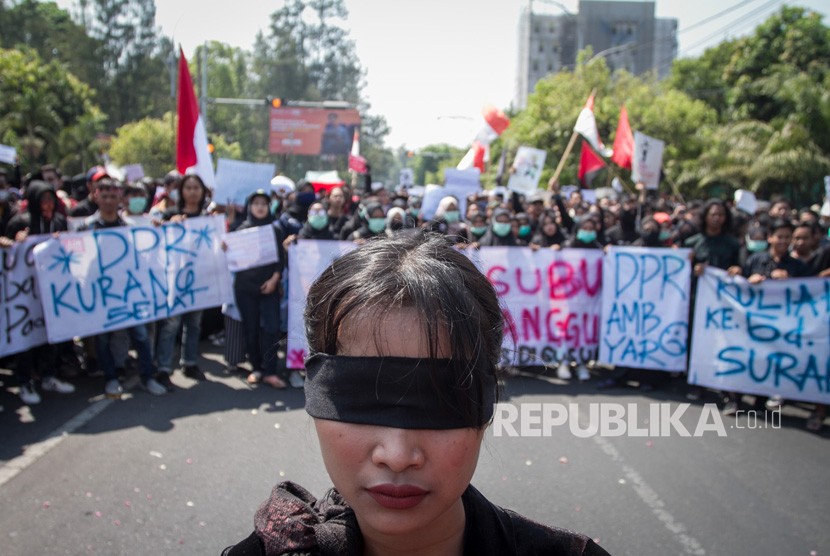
275 102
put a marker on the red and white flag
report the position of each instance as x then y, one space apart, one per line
589 165
192 155
623 142
495 122
357 163
586 125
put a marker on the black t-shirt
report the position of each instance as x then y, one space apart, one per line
764 264
720 251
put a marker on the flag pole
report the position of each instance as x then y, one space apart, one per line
568 149
565 155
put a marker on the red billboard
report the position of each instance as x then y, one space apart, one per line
312 131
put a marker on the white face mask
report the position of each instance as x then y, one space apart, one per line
174 195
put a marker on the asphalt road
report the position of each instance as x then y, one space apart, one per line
184 473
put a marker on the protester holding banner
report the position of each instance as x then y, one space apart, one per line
108 198
192 202
405 338
257 293
476 227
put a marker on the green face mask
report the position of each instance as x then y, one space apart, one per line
414 212
478 230
586 236
377 225
452 216
318 221
137 205
501 229
756 245
275 205
524 230
665 235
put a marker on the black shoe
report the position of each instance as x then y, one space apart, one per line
194 372
164 379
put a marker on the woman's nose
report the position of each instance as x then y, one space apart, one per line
398 449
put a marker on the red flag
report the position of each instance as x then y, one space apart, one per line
192 155
589 164
357 163
623 142
586 125
495 122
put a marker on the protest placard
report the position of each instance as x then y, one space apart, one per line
763 339
8 154
21 314
251 247
237 179
550 299
133 173
101 280
526 169
645 308
309 258
647 160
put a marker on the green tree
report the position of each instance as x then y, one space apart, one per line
149 142
40 106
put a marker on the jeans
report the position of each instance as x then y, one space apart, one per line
168 329
261 323
106 360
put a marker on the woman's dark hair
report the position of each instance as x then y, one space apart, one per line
422 272
727 217
180 187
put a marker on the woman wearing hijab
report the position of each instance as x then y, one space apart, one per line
373 223
257 294
549 234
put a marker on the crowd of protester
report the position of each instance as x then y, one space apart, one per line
776 242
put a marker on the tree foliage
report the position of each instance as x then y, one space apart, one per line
42 107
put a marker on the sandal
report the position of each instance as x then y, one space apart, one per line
274 381
254 377
815 421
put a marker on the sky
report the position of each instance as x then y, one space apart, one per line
431 65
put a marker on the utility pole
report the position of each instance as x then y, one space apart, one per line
203 98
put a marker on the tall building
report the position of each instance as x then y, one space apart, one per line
626 34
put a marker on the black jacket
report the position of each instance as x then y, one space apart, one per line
31 217
293 522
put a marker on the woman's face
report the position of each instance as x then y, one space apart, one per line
259 207
398 481
191 191
336 197
549 226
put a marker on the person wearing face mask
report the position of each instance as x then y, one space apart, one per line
396 222
373 223
524 229
447 221
586 235
500 233
476 227
650 231
413 212
257 294
317 225
755 241
296 212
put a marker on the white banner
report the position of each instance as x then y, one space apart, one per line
645 308
251 247
550 299
307 260
237 179
101 280
526 170
647 160
764 339
21 314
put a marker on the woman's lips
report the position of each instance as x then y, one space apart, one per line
397 497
